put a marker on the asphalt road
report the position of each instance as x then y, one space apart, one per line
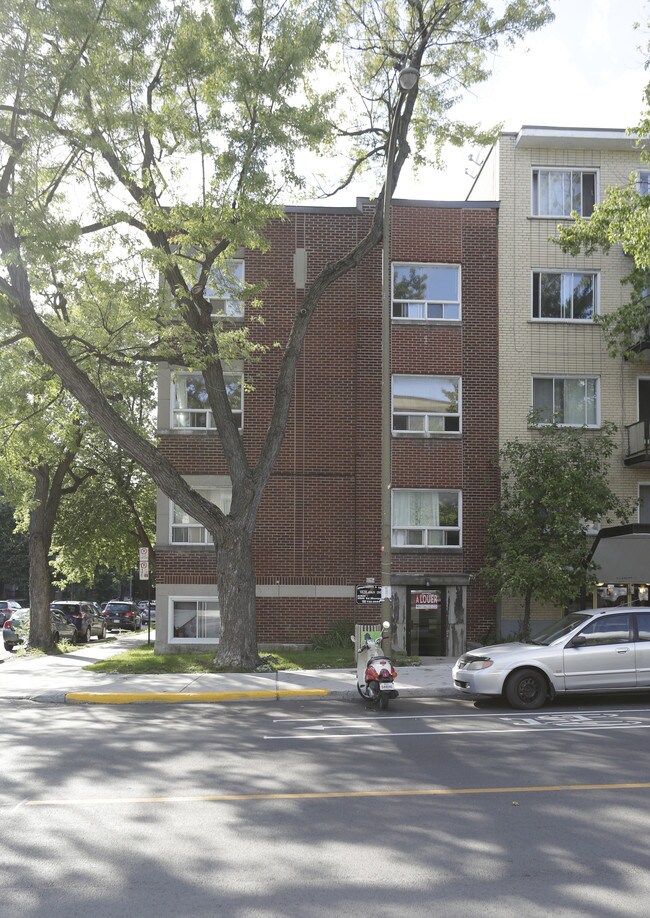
314 809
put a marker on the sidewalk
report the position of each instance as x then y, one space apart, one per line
62 680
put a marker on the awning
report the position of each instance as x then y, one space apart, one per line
622 554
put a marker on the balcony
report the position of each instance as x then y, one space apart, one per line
637 450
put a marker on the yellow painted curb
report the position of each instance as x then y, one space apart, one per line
175 697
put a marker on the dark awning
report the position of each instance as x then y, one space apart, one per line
622 554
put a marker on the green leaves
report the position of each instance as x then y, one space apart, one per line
554 488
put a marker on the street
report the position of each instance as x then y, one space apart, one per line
309 808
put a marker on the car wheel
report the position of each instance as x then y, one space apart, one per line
8 647
87 635
102 633
73 637
526 689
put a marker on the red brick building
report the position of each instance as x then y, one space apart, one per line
318 533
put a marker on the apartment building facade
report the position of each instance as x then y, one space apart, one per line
552 354
318 538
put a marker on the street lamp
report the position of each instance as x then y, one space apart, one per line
407 80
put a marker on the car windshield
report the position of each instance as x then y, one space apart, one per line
559 629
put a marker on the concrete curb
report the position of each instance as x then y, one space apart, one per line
186 697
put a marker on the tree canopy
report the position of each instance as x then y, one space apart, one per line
554 490
146 141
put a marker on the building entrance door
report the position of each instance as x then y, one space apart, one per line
426 622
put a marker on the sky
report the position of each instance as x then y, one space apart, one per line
585 69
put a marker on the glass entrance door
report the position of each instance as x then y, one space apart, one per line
425 626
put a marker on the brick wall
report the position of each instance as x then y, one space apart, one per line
319 522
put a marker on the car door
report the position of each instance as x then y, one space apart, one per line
642 648
602 657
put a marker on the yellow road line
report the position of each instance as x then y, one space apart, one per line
334 795
175 697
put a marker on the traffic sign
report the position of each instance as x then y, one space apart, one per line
144 570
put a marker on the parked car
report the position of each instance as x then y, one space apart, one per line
7 608
145 613
16 629
83 616
122 613
603 650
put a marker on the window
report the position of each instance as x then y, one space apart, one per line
566 400
558 192
426 519
426 404
560 295
190 400
643 625
224 289
643 181
644 503
196 619
614 629
427 292
186 530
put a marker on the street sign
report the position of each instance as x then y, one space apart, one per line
143 554
368 593
144 570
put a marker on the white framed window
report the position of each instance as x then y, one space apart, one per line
565 295
558 192
426 518
426 292
224 289
570 401
190 400
194 620
187 531
424 405
643 181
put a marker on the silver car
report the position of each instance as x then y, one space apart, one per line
603 650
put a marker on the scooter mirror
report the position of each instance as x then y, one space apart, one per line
385 624
352 638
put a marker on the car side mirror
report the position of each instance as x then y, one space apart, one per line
578 641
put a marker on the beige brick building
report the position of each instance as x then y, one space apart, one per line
552 354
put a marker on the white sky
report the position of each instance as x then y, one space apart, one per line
585 69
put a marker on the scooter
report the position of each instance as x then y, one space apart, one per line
375 672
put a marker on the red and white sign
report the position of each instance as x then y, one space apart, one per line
426 599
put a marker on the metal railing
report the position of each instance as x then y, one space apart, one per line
638 438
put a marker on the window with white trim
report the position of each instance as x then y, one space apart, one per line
571 401
564 295
425 518
224 288
424 405
190 400
558 192
643 181
426 292
195 620
186 530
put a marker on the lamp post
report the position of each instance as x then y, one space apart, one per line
407 80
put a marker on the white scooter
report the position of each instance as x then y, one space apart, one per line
375 672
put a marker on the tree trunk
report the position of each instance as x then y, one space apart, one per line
236 582
525 624
40 537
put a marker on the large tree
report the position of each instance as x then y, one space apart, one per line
145 138
554 488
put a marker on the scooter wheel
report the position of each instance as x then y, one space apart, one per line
365 694
384 698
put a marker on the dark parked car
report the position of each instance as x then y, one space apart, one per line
84 618
16 629
7 608
122 613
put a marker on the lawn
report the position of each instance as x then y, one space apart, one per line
144 660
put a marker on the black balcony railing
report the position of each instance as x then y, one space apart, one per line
638 443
